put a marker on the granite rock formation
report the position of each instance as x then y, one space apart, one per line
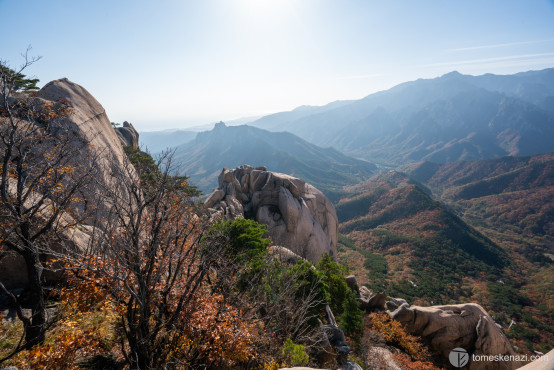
467 326
298 216
128 135
369 301
88 123
96 147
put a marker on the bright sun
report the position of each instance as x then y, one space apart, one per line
265 7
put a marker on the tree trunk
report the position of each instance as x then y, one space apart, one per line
35 331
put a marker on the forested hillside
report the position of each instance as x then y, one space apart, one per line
486 249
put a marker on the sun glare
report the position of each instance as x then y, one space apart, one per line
265 8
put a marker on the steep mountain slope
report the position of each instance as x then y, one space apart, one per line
511 201
396 238
512 196
229 147
429 252
449 118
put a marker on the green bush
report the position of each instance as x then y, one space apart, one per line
294 354
351 320
333 277
246 241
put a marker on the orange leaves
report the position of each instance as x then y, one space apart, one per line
218 331
405 363
51 110
84 294
394 333
63 350
85 329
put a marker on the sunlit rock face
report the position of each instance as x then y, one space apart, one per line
96 147
466 326
298 216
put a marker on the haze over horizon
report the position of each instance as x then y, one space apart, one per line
173 64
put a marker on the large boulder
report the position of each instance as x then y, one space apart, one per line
466 326
369 301
97 146
298 216
88 118
378 358
128 135
94 146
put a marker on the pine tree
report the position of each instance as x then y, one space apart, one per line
351 319
18 80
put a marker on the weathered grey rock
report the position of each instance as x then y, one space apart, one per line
13 271
97 148
284 254
350 365
353 283
394 303
298 216
467 326
370 301
214 197
88 121
379 358
128 135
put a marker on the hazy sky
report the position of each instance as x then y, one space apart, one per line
173 63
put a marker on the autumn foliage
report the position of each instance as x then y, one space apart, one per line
83 329
417 357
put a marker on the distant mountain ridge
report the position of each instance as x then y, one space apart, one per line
228 147
511 201
158 141
448 118
514 191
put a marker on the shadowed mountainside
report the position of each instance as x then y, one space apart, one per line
413 246
511 201
396 238
229 147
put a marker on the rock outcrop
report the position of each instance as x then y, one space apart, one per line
381 358
88 118
13 270
467 326
96 147
284 255
128 135
298 216
89 123
369 301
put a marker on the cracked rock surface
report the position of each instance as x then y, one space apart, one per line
298 216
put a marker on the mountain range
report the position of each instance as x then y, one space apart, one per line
511 199
158 141
230 146
448 118
445 119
